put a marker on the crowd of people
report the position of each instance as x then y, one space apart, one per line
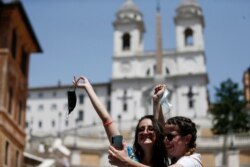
157 142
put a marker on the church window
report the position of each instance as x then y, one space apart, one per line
148 72
167 70
125 106
188 37
126 41
191 103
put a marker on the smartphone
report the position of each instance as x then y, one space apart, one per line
117 141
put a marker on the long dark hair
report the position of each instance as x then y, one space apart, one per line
159 158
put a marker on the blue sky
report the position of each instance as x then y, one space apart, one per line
77 38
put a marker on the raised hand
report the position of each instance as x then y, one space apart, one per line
81 82
158 92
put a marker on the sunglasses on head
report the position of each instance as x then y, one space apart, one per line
170 136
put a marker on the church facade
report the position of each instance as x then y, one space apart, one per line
136 71
128 94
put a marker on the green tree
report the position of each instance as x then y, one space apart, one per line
229 113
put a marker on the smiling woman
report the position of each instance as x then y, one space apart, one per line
180 142
148 142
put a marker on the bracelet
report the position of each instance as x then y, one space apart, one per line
107 123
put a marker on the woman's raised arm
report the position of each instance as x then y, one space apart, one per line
110 127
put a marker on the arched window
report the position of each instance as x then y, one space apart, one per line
188 37
126 41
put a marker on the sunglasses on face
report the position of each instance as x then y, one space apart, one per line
147 128
170 136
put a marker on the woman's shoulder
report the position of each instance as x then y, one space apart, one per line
193 160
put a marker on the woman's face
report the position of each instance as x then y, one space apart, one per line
175 144
146 133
